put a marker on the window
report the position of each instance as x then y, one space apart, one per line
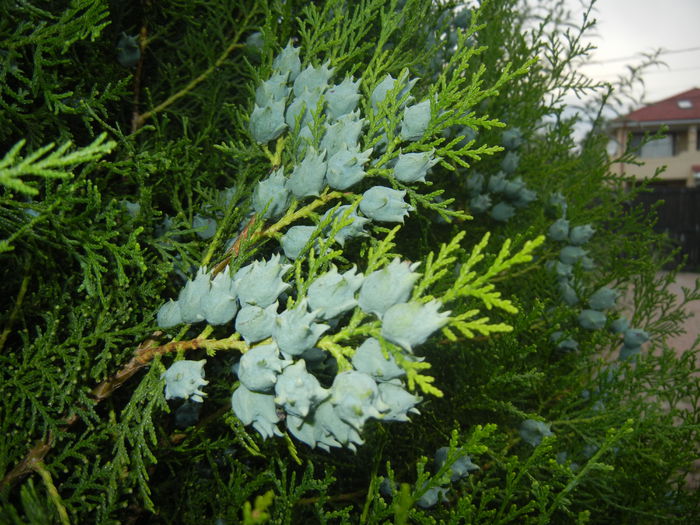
662 147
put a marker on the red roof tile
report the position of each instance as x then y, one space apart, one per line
668 109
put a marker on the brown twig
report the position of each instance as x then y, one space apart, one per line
143 42
235 248
148 350
27 465
140 119
143 355
15 311
247 234
350 496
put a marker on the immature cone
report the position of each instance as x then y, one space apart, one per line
355 228
298 391
512 138
313 79
592 319
346 168
559 230
256 409
384 204
525 197
294 240
415 120
255 323
413 167
343 134
302 109
510 162
295 331
355 398
342 99
190 298
603 299
581 234
502 212
272 90
260 366
183 380
497 183
369 359
333 293
459 469
480 203
267 123
388 83
475 183
399 401
513 187
571 254
410 324
169 314
533 431
386 287
636 337
308 178
219 305
567 292
288 62
271 196
431 496
260 283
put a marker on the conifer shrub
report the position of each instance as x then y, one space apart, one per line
339 262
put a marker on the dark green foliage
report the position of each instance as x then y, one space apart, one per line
107 166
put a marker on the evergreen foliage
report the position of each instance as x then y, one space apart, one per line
259 163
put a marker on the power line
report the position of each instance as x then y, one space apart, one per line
677 70
632 57
665 71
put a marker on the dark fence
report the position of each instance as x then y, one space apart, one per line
679 217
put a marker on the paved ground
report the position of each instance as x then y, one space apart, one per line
683 342
692 325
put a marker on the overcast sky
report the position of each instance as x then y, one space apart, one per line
627 28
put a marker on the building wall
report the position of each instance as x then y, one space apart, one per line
678 167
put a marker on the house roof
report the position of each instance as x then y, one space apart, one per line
681 107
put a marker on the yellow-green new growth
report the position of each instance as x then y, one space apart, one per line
470 283
46 163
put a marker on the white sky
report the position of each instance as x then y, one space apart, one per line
626 28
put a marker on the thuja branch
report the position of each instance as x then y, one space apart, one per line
147 351
15 311
301 213
139 120
331 343
55 497
250 235
143 42
27 465
144 354
151 348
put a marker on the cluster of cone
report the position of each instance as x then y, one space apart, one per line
277 373
593 316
